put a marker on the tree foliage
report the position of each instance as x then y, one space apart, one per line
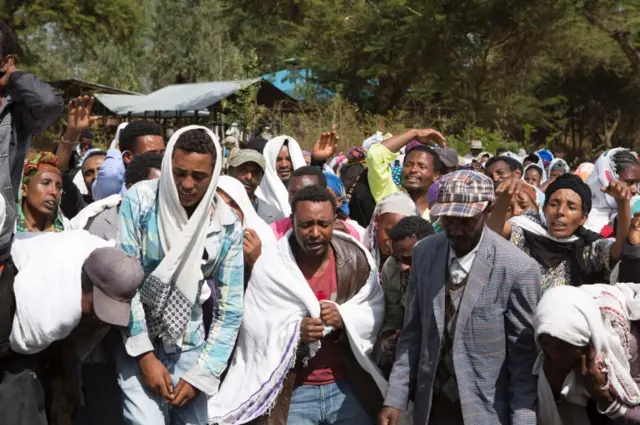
533 71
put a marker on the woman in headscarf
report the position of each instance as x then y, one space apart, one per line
387 214
557 167
257 233
39 203
588 365
343 222
282 156
568 253
615 164
534 175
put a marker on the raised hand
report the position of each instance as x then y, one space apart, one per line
79 118
326 146
431 137
620 190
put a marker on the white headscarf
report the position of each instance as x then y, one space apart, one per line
271 189
559 163
172 289
116 139
603 206
238 193
398 203
579 316
543 173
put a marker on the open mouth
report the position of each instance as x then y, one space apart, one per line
412 179
50 205
558 226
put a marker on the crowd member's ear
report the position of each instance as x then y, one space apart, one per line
518 173
127 156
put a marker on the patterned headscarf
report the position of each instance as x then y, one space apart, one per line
31 169
356 155
33 163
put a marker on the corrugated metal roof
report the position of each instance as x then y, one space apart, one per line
186 97
90 86
117 102
123 104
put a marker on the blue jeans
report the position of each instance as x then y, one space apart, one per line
330 404
144 407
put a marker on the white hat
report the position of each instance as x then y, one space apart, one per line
476 144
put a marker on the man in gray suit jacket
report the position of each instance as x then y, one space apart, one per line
466 352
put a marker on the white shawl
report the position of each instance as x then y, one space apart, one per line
277 300
170 292
116 138
603 206
238 193
81 220
271 189
599 314
48 287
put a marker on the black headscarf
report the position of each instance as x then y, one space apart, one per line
551 253
362 203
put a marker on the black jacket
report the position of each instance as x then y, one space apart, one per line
28 107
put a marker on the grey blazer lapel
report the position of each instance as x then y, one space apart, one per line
478 277
438 277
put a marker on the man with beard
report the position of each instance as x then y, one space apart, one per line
247 166
467 346
420 169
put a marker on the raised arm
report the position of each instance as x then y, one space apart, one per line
78 120
40 104
622 193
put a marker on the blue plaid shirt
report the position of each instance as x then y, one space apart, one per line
139 236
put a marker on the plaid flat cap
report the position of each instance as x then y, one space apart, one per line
463 193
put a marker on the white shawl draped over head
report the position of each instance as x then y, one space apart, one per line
170 292
398 203
603 206
81 220
276 301
560 164
271 189
596 314
48 287
116 138
238 193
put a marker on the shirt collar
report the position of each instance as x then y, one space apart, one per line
466 261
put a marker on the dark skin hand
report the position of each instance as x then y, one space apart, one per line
330 315
311 330
184 394
593 378
252 247
156 376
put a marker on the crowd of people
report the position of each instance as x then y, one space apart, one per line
189 281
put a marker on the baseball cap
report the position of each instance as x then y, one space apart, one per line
115 277
448 157
242 156
463 193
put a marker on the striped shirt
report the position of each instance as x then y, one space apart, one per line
223 264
